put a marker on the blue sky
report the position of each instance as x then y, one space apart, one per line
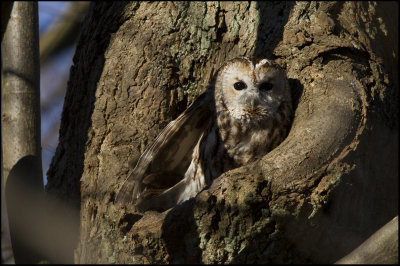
54 74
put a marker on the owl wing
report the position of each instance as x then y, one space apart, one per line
171 151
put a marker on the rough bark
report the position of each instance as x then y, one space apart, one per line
321 193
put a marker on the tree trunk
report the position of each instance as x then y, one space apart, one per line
316 197
20 117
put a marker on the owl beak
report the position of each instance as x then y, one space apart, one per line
252 101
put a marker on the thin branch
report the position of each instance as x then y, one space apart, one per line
64 32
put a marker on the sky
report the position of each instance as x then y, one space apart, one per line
54 74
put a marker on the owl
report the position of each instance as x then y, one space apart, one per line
244 113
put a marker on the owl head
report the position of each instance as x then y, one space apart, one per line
250 90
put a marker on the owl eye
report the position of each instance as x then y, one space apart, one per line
265 86
239 85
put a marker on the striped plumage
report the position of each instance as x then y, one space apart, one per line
244 113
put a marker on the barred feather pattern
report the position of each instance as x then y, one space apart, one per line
245 112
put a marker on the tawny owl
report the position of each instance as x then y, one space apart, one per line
244 113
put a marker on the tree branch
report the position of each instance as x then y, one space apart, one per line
64 32
380 248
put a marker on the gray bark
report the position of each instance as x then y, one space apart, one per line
331 183
21 150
